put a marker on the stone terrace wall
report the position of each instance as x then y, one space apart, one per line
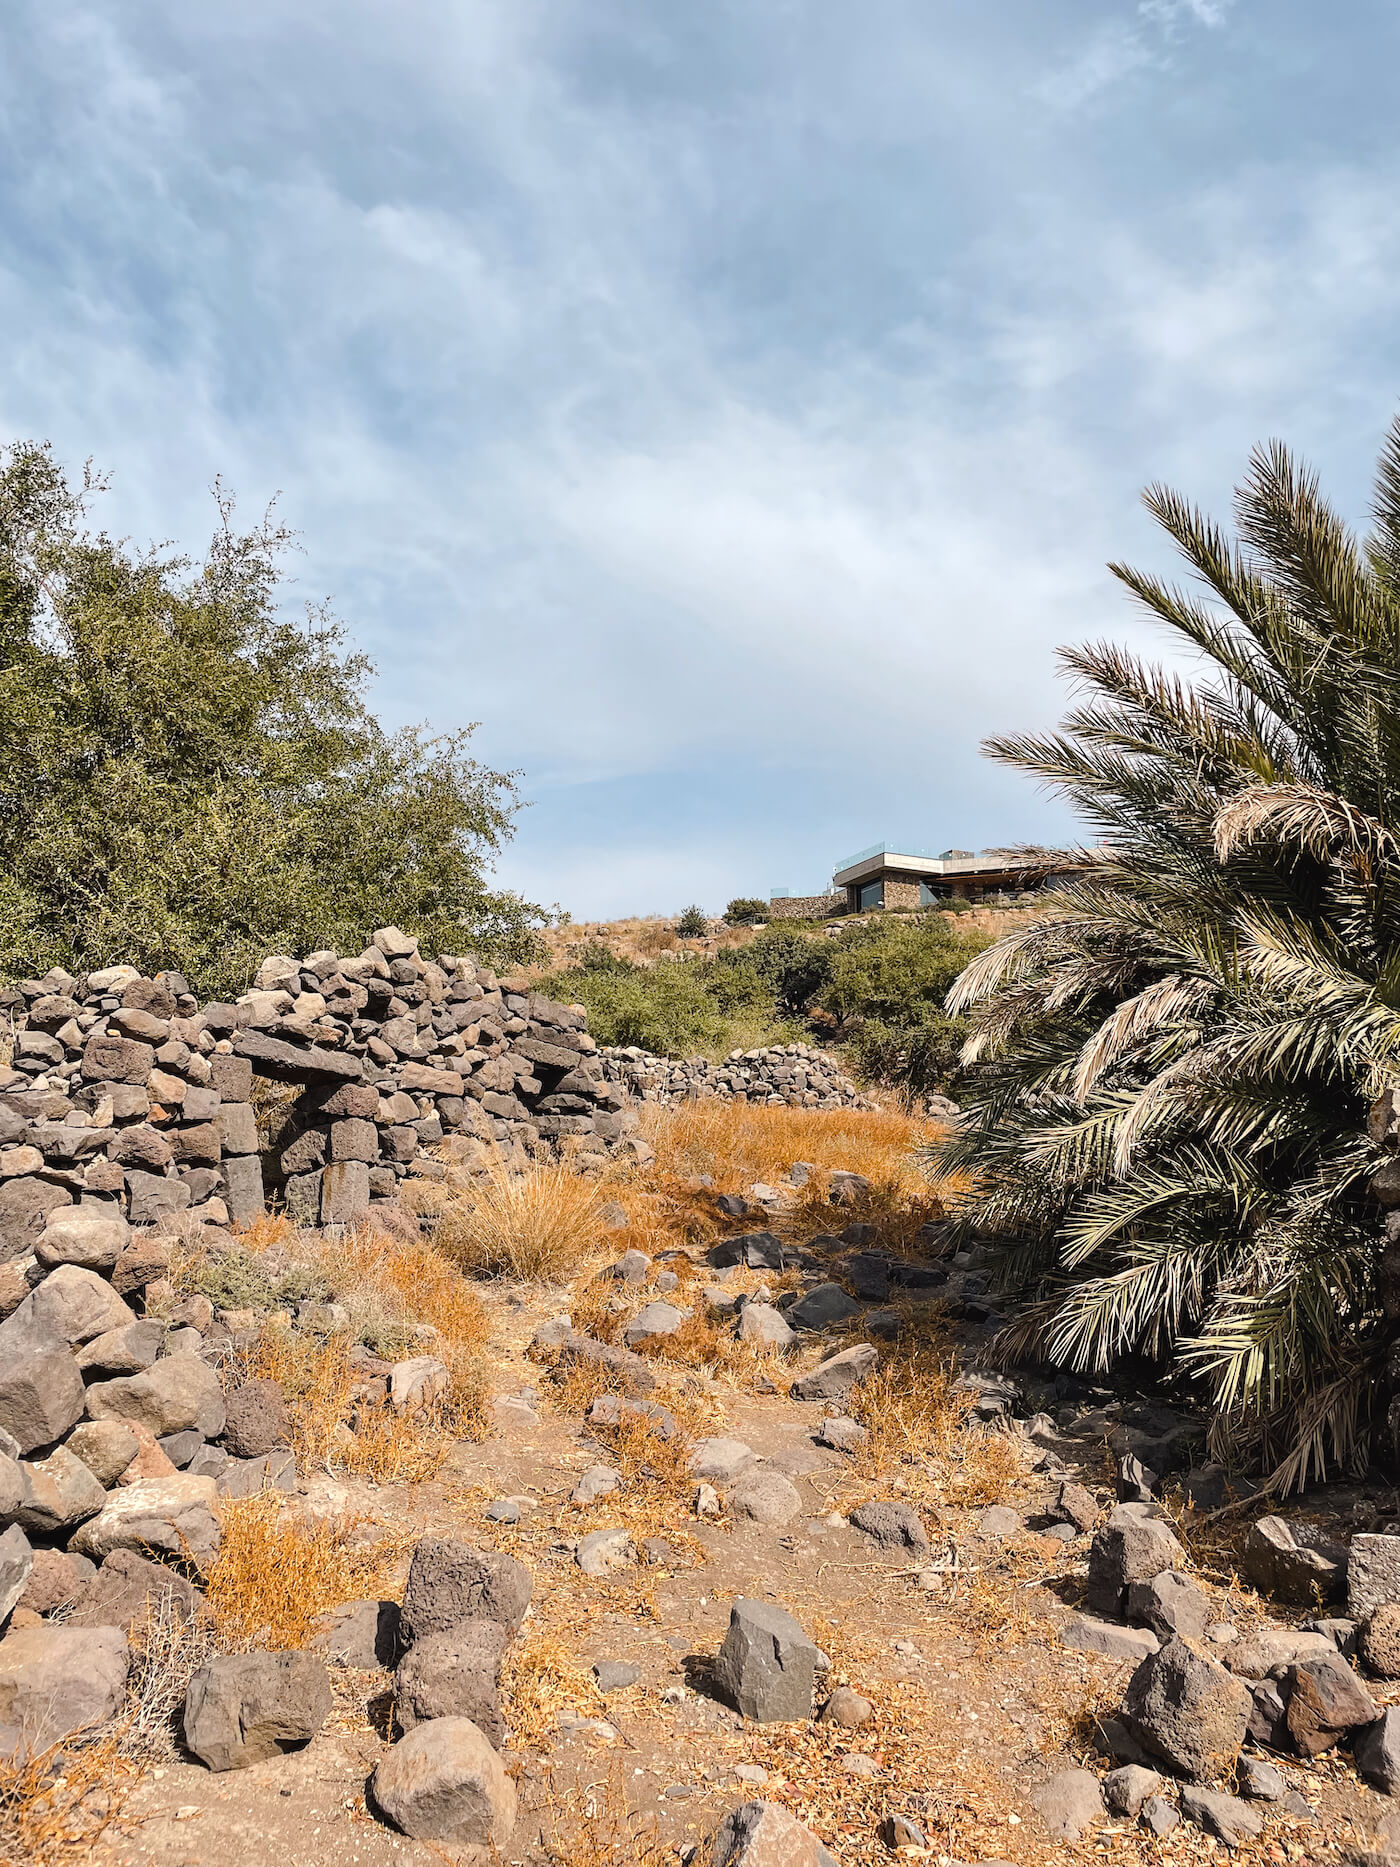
125 1091
806 907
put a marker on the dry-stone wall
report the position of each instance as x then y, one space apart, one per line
795 1074
124 1091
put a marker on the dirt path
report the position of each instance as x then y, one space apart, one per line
975 1702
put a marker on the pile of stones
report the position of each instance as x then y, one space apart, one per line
795 1074
118 1444
1201 1690
126 1091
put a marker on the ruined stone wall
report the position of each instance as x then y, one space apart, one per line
126 1091
796 1074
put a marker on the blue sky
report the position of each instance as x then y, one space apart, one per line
730 406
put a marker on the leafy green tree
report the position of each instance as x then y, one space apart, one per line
1169 1129
886 982
782 965
744 910
190 779
693 923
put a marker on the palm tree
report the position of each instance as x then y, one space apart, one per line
1168 1142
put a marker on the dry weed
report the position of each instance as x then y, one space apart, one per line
540 1678
390 1288
267 1229
318 1379
399 1282
275 1573
167 1650
736 1144
915 1417
56 1806
540 1225
705 1344
595 1826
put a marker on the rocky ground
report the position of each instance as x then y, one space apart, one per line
1005 1634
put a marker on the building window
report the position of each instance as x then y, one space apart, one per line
929 897
872 895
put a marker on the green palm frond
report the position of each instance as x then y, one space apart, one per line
1166 1131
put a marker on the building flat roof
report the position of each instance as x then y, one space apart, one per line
881 857
873 862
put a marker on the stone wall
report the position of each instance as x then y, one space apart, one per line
796 1074
902 892
125 1091
806 907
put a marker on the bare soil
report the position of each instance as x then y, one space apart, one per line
976 1700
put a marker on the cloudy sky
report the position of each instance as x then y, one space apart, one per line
729 405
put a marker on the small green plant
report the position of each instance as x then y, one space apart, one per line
693 924
745 910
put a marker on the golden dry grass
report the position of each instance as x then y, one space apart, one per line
918 1425
539 1226
56 1806
269 1228
390 1286
318 1379
737 1144
705 1343
276 1571
541 1677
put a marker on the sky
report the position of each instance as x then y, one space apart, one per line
731 407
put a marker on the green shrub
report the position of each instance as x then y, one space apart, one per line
664 1008
693 923
745 910
895 969
883 981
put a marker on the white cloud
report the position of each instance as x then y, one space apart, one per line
731 410
1117 49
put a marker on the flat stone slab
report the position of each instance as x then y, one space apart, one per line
1085 1633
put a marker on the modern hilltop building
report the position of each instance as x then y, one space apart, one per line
885 876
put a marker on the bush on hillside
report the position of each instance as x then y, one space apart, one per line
663 1008
880 985
189 779
745 910
693 923
1169 1127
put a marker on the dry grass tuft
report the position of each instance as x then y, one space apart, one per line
910 1411
704 1344
402 1281
318 1379
737 1144
987 1468
995 1610
596 1827
540 1678
541 1225
57 1805
275 1573
391 1287
644 1456
266 1230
